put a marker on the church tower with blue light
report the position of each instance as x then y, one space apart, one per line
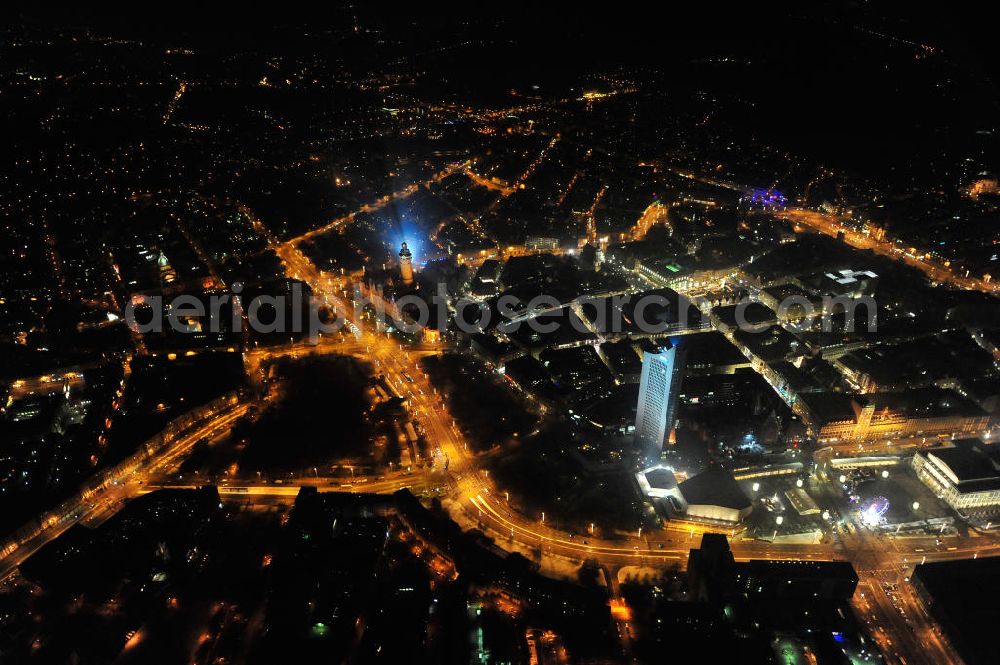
406 265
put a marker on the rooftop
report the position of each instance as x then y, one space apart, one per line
963 596
717 487
971 464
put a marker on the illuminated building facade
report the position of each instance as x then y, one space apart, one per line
926 412
966 474
406 264
658 385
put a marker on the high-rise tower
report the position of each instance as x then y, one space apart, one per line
658 386
406 264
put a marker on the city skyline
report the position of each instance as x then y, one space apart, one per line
521 334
